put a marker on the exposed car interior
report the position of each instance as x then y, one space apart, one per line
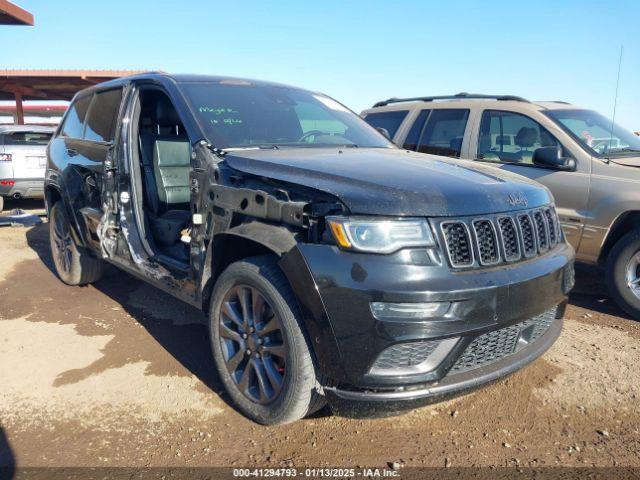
516 145
165 153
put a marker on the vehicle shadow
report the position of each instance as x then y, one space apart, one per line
7 460
590 292
177 327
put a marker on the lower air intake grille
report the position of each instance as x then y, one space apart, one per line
405 355
456 235
493 346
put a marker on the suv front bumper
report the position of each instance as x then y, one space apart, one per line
348 339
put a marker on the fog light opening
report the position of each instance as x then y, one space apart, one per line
408 311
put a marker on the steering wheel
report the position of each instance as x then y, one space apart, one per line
310 133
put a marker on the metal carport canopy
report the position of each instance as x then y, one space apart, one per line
11 14
22 85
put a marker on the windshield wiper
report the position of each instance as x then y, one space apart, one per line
623 151
266 146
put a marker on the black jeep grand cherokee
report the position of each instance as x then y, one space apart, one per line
332 265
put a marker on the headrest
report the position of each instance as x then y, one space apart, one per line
526 137
166 114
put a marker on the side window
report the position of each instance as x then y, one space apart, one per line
511 137
390 121
411 142
74 122
443 132
312 118
103 116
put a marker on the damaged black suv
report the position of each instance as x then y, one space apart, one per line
332 265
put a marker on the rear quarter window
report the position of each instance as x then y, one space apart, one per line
103 116
443 133
390 121
25 138
73 125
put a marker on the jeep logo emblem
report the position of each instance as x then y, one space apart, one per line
515 199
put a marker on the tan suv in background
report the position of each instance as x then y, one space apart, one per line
592 169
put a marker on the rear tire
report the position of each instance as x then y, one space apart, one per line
74 265
253 312
623 273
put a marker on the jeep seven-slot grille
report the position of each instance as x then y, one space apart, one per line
510 241
458 240
487 241
501 238
541 230
551 222
528 237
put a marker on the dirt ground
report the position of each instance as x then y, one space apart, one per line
120 374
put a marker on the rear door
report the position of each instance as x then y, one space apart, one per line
86 138
509 139
98 142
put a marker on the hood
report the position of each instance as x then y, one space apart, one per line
390 181
626 161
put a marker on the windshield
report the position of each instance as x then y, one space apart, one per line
594 132
241 115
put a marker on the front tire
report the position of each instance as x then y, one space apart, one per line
260 350
623 273
74 265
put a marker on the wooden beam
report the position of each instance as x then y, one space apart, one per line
19 109
14 15
22 90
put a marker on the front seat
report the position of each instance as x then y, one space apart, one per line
526 138
167 175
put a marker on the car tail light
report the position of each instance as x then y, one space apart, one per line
5 157
7 183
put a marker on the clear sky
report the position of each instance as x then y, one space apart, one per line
356 51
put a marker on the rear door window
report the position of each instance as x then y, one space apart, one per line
511 137
411 142
103 116
390 121
74 121
443 133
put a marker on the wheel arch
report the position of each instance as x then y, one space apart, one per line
624 223
242 241
281 241
52 195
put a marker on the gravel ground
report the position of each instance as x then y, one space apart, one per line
120 374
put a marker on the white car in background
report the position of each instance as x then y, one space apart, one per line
23 161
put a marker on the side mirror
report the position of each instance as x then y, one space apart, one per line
551 157
384 132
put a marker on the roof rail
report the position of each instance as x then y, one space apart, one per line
458 96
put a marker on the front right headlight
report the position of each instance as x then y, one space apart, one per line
380 235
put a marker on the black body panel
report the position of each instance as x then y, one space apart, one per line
390 181
277 200
482 301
